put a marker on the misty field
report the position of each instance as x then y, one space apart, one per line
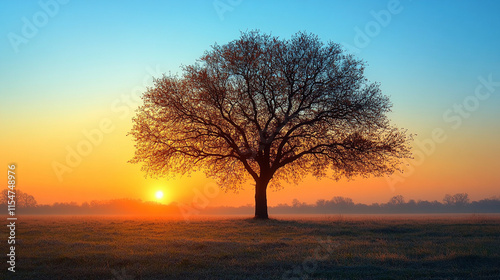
329 247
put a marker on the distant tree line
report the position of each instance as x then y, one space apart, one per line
110 207
457 203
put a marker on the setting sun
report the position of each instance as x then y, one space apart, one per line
159 195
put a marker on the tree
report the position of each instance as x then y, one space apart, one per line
397 200
448 200
22 199
459 199
342 201
271 110
25 200
4 198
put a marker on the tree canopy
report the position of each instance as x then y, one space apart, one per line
271 110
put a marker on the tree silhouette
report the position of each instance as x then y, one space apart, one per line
397 200
23 200
271 110
459 199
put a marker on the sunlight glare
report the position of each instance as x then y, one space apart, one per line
159 195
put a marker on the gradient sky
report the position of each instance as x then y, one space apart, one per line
70 69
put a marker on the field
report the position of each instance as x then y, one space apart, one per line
329 247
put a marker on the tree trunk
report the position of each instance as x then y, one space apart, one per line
261 199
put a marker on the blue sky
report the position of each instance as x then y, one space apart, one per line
427 44
86 56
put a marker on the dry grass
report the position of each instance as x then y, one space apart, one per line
335 247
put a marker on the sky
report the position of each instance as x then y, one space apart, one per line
72 73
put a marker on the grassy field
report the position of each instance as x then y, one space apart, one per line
333 247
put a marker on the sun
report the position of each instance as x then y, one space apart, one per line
159 194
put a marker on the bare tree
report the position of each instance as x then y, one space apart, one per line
4 197
22 199
448 200
397 200
342 201
459 199
272 110
25 200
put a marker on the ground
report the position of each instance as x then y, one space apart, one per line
329 247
